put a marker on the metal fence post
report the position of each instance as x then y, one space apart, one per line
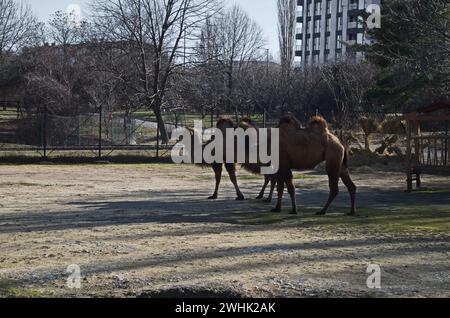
100 133
157 137
264 118
44 132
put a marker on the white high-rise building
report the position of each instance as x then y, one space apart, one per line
325 28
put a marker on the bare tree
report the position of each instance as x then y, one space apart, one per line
18 26
62 32
156 30
286 32
233 41
349 81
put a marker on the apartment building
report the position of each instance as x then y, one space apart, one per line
325 29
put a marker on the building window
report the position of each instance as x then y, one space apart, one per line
352 39
360 39
339 6
318 8
339 42
353 22
328 25
316 44
353 5
327 43
300 28
308 9
316 59
328 6
308 44
317 26
300 11
339 23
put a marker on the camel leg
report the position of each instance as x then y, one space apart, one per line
345 176
280 187
231 168
291 189
273 184
217 167
333 175
263 190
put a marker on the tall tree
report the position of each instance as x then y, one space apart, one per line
156 30
413 48
18 26
234 42
287 17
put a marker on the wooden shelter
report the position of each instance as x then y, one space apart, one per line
428 150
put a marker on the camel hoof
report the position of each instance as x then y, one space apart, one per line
267 201
354 214
240 198
276 210
213 197
293 212
259 197
321 213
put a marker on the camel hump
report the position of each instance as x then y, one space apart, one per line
290 121
224 123
318 122
249 122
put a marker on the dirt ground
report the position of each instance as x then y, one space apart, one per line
148 231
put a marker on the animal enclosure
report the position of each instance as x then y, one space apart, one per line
428 142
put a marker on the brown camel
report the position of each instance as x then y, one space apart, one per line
305 149
272 179
246 123
223 124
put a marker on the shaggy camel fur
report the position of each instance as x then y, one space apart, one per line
272 179
303 149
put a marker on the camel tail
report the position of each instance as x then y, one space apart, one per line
318 122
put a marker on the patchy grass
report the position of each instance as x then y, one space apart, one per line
399 218
8 291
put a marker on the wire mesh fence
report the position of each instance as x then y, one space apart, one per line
107 133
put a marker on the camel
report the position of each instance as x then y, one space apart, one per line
272 179
306 148
223 124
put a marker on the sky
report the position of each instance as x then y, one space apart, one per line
261 11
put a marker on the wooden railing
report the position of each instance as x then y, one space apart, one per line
432 151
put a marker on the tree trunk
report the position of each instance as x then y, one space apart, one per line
367 142
162 128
